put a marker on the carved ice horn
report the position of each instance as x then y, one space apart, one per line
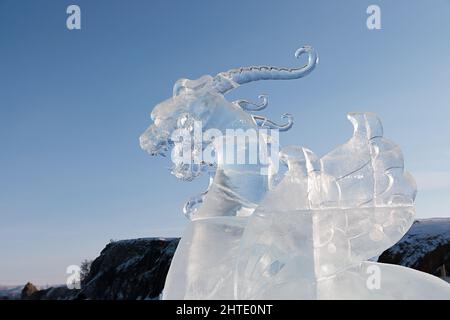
225 81
264 122
252 106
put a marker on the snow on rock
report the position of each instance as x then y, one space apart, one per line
10 292
130 269
426 247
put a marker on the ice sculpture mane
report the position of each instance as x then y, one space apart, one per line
307 237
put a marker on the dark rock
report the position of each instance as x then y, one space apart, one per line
426 247
55 293
130 269
28 291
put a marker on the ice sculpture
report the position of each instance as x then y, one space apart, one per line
303 234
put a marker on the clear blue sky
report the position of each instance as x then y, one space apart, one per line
73 104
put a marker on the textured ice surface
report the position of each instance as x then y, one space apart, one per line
325 217
305 234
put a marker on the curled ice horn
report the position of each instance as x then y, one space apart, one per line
226 81
247 105
264 122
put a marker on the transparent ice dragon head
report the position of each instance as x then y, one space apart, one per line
203 100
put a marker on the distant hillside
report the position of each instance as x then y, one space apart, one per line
426 247
10 292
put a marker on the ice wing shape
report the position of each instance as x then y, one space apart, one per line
375 196
327 214
368 169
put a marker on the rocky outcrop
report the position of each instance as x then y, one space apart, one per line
426 247
130 269
31 292
55 293
28 291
